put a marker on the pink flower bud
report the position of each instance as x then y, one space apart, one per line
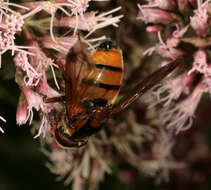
45 89
150 15
62 44
154 28
171 53
179 33
180 117
200 62
22 111
163 4
172 42
32 77
199 22
175 39
90 21
34 100
174 87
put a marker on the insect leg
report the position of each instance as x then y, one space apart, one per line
55 124
54 99
145 85
60 137
63 136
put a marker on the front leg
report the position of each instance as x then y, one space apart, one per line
54 99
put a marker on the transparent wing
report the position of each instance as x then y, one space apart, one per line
78 66
144 85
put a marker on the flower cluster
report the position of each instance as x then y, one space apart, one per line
33 63
11 22
183 32
49 29
39 76
111 146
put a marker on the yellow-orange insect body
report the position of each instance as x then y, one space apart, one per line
107 76
92 84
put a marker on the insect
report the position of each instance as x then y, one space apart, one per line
92 84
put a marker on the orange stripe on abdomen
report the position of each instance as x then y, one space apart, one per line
112 57
106 79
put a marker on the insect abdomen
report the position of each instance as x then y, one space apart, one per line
106 80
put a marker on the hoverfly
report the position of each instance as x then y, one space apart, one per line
92 84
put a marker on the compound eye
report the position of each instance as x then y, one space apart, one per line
106 45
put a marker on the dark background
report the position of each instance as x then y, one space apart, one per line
22 165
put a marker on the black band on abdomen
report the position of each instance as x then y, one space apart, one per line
108 67
101 85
